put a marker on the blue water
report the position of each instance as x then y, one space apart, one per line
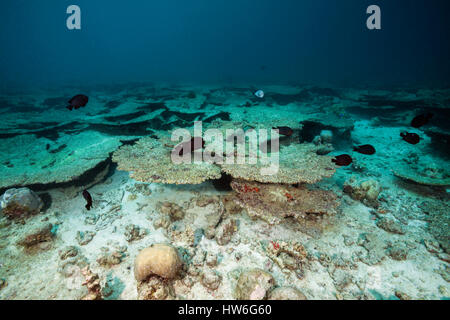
224 41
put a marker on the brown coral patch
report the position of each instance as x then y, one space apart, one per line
274 202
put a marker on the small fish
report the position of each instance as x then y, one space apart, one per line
259 94
342 160
47 146
192 145
285 131
412 138
365 149
421 120
80 100
88 198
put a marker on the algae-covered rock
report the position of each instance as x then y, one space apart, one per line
274 202
439 224
288 256
225 231
84 237
68 252
254 285
109 258
286 293
211 279
134 233
3 283
159 259
155 288
391 225
38 235
366 191
398 251
172 210
20 202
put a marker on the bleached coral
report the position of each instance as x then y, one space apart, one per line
149 160
42 161
298 163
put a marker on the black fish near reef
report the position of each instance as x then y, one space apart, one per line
365 149
88 198
80 100
421 120
412 138
191 145
285 131
342 160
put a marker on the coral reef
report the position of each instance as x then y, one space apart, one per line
398 249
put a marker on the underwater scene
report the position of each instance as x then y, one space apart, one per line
224 150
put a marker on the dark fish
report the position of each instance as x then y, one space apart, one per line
342 160
421 120
365 149
412 138
80 100
88 198
47 147
192 145
285 131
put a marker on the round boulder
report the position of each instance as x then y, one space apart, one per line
15 203
159 259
